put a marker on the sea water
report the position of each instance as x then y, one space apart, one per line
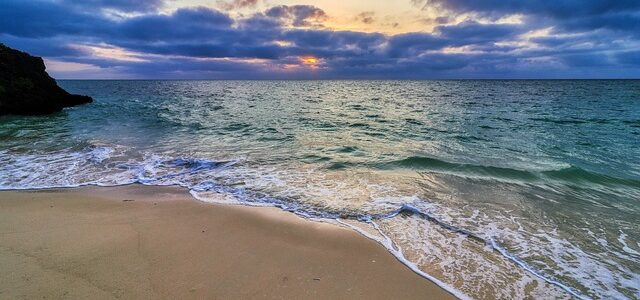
505 189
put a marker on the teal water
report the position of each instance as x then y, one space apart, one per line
513 189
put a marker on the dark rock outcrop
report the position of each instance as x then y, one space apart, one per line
27 89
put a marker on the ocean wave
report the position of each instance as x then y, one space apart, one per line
158 170
575 174
493 244
207 180
565 173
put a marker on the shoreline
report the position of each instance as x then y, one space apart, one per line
139 241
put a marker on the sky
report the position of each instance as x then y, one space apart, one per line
327 39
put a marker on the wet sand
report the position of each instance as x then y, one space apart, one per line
158 242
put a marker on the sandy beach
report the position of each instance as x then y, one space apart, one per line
158 242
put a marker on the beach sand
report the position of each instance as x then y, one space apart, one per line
139 242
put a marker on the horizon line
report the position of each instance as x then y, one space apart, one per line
340 79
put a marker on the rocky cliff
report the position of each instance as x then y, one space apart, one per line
27 89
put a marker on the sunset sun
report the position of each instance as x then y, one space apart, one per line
310 61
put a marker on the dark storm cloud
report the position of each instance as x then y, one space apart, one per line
119 5
479 36
209 50
410 44
48 47
564 14
334 39
630 58
558 8
45 19
50 18
183 24
471 32
585 59
201 42
622 22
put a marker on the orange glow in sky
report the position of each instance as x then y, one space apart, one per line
390 17
309 60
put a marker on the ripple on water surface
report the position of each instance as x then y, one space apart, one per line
507 189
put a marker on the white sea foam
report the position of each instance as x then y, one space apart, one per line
436 241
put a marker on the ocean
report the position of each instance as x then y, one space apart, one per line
492 189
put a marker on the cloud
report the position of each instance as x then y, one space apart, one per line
367 17
556 9
565 14
412 44
201 42
629 58
45 19
48 47
334 40
183 24
236 4
621 22
119 5
298 15
471 32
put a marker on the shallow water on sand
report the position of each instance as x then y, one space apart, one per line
525 189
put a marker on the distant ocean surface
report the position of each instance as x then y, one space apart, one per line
507 189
